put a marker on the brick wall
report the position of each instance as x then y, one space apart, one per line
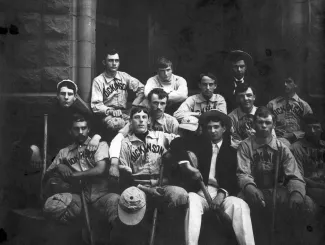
38 56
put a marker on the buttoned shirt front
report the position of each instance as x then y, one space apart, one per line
111 92
256 165
144 158
166 123
310 158
242 123
212 174
197 103
289 113
76 155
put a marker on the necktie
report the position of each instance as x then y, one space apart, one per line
212 173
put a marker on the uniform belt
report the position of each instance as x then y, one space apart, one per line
146 177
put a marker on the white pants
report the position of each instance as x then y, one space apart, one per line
236 208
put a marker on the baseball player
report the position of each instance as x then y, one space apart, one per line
175 86
110 92
257 157
74 165
289 110
159 121
197 104
310 156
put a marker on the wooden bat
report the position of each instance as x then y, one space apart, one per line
155 212
44 156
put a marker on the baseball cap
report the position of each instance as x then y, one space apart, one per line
132 206
189 123
69 81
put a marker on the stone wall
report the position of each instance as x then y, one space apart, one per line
38 56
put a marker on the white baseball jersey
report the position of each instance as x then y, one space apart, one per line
197 103
289 113
144 158
111 92
75 154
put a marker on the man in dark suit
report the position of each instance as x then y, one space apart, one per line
239 61
217 165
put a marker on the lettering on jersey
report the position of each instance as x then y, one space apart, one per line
209 107
291 108
141 150
245 125
83 155
114 86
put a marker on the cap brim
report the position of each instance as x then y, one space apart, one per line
131 218
236 53
189 127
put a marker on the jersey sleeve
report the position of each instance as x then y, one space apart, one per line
244 170
102 152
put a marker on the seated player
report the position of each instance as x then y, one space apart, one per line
158 119
110 93
74 169
289 109
257 158
140 165
175 86
310 156
207 100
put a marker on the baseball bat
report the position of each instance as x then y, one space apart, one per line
84 204
155 212
276 177
44 156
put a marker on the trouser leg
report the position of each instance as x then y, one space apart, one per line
239 213
196 207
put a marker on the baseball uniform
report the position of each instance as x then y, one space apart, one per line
311 162
144 158
197 103
67 206
110 93
289 113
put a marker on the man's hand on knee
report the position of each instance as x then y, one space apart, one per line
254 195
296 201
218 200
64 170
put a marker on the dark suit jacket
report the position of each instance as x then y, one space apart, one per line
225 166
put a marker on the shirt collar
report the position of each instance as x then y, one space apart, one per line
241 114
271 144
201 98
295 97
164 82
218 144
162 119
117 76
151 134
75 145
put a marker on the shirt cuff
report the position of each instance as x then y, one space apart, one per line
223 191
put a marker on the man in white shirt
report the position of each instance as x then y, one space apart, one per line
174 85
217 165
